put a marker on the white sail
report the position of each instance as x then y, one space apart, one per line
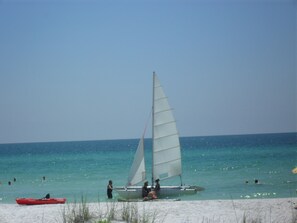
137 171
166 146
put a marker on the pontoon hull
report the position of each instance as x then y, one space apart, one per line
135 192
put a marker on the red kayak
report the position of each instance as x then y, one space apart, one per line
33 201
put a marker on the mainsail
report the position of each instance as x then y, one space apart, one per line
166 146
137 171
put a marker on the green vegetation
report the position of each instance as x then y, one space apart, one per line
128 212
77 212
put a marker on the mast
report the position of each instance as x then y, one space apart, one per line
153 120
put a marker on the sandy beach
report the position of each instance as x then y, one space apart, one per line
254 210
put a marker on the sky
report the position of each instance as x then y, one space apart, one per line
82 70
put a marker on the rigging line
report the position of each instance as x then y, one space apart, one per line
170 109
158 86
158 164
165 123
160 137
173 147
158 99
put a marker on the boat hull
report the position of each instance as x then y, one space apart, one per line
135 192
33 201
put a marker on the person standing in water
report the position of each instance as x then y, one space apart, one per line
109 189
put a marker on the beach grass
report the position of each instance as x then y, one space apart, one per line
130 213
77 212
127 212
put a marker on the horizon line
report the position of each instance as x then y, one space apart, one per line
93 140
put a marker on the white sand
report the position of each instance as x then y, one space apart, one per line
228 211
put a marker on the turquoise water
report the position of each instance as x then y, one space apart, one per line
221 164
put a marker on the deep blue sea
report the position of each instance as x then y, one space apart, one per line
220 164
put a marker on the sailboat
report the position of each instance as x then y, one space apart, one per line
166 150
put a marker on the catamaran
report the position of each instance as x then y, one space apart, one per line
166 158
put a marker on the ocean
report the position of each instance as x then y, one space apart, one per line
226 166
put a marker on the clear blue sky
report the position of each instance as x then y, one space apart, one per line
82 70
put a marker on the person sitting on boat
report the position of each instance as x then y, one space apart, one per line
147 194
145 190
47 196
